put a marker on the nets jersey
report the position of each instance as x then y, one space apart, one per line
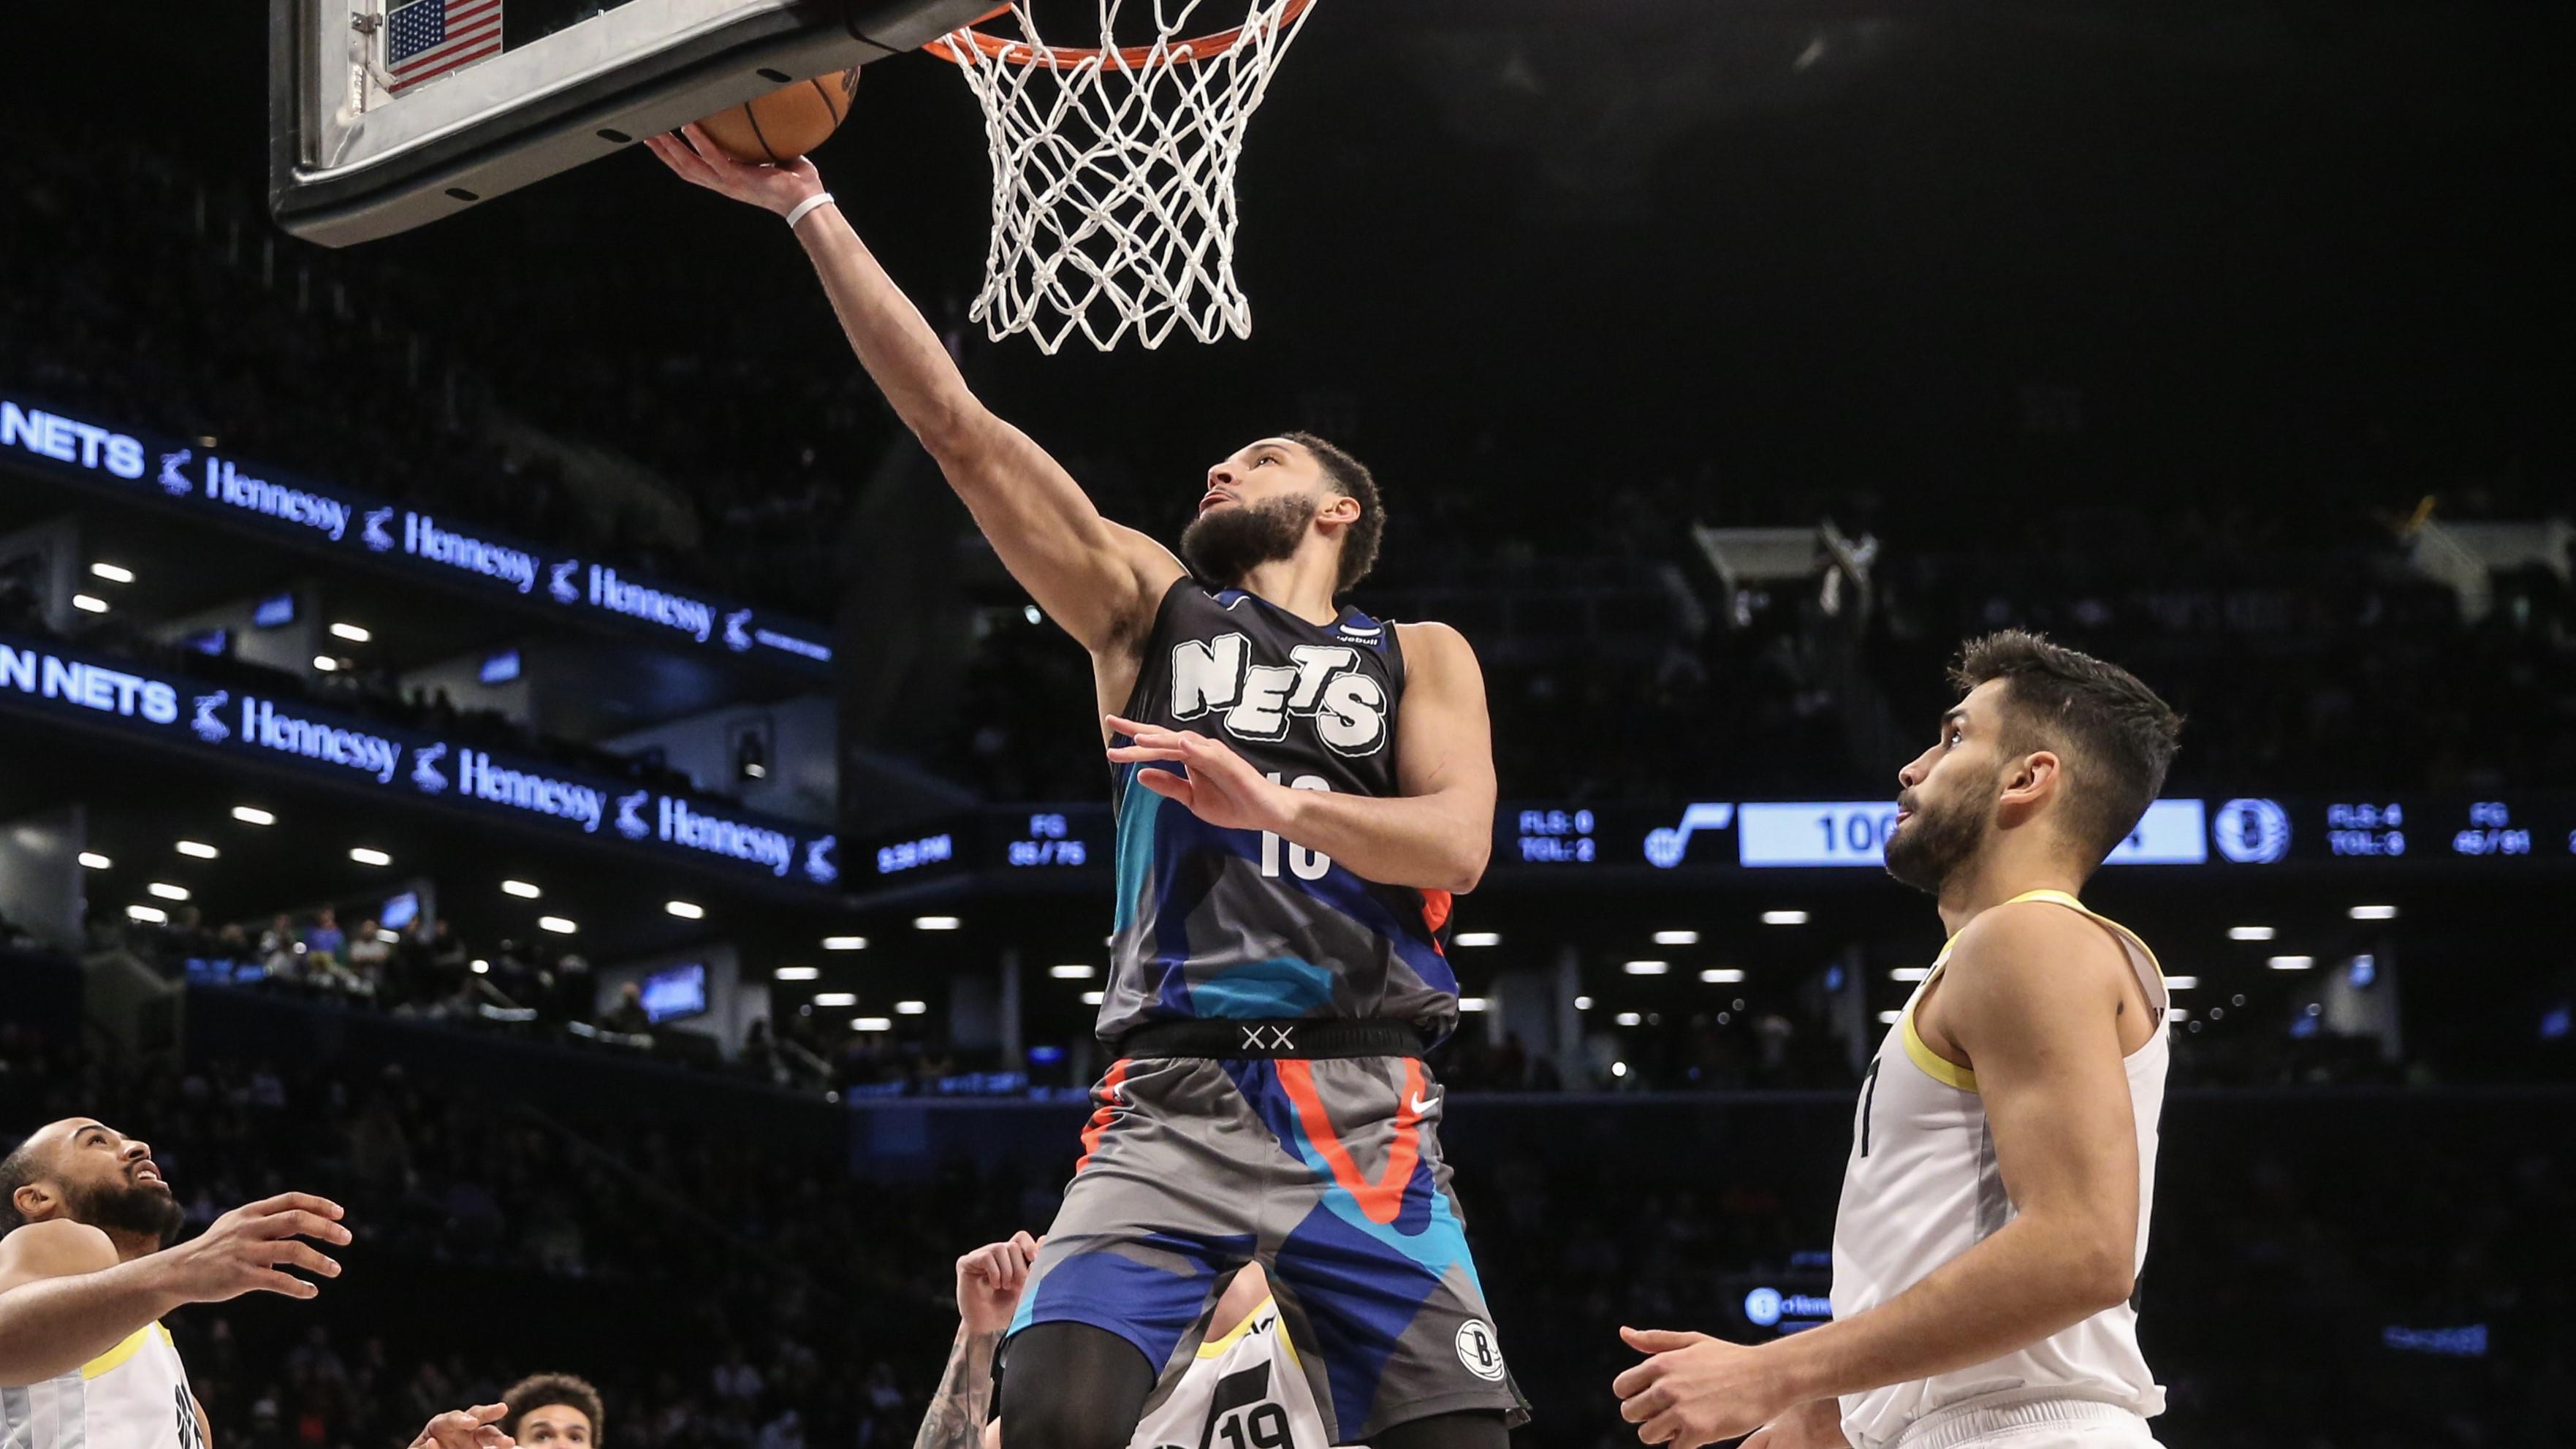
1922 1187
134 1396
1246 1390
1216 923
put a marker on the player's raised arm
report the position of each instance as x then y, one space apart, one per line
1097 579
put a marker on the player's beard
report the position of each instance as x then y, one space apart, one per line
1936 841
1224 545
144 1209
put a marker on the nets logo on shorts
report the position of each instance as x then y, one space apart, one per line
1478 1350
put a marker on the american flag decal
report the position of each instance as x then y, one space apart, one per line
425 39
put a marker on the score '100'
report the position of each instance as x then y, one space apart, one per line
1856 832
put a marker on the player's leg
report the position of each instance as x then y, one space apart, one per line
1155 1221
1464 1429
1073 1386
1374 1277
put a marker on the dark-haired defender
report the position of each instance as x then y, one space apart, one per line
1994 1209
85 1277
1300 789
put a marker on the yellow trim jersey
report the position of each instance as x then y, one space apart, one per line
1245 1390
134 1396
1922 1187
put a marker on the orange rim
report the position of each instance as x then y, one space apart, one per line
1132 57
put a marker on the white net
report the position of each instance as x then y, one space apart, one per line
1113 172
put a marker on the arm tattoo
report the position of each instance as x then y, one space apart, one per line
958 1410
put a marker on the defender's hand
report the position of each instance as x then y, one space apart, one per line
245 1250
989 1281
701 162
466 1429
1696 1390
1220 788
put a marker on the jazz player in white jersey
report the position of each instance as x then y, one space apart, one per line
1239 1387
1994 1208
85 1278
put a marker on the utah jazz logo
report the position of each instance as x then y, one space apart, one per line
1478 1351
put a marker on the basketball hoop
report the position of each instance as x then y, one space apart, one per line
1113 172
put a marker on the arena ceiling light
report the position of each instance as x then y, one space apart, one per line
686 910
2249 933
2291 963
1646 968
936 923
796 973
389 937
325 663
94 860
253 815
1909 973
845 943
354 633
524 890
1784 918
1677 938
560 925
369 855
2373 913
836 998
1721 976
1583 1003
149 915
872 1023
2181 983
89 603
197 849
2179 1014
1477 938
482 967
911 1008
113 573
1071 971
1619 1069
1473 1003
1630 1018
167 891
1094 998
1890 1018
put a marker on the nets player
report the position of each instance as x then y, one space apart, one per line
1299 788
1237 1385
85 1278
1994 1209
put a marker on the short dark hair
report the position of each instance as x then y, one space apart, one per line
2118 736
1351 478
538 1390
17 1170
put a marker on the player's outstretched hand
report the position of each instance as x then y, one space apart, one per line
1694 1390
248 1249
1221 788
701 162
473 1428
989 1281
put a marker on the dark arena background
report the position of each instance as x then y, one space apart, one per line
406 649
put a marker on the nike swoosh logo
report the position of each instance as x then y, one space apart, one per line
1421 1105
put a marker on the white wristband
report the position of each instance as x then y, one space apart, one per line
806 208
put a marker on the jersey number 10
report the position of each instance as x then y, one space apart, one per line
1303 863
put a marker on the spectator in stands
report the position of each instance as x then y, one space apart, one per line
370 958
628 1015
281 955
325 941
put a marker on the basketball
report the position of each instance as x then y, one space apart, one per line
787 122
